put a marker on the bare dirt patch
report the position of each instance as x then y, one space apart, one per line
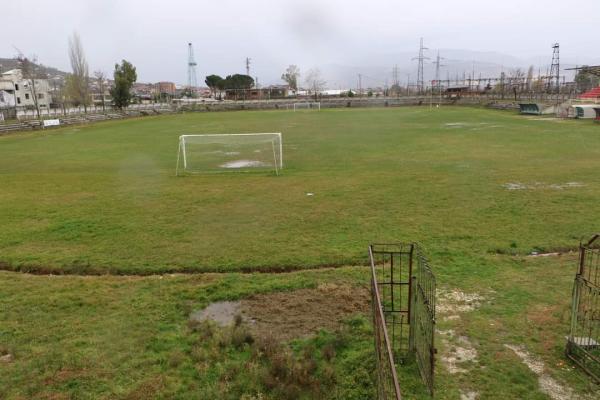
535 254
288 315
547 384
469 395
459 350
455 302
221 312
541 185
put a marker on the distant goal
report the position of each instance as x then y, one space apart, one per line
315 105
229 152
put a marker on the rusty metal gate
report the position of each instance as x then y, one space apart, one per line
403 294
583 342
422 314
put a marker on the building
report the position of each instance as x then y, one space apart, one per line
265 93
164 88
16 91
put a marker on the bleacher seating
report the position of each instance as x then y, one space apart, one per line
593 94
531 108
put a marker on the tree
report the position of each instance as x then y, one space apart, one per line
72 90
500 87
214 82
516 80
238 82
101 82
586 81
29 71
529 80
125 76
291 75
314 82
80 89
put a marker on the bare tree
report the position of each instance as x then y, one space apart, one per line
101 81
80 74
290 76
529 81
516 81
30 72
315 82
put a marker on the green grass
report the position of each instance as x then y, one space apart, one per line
104 199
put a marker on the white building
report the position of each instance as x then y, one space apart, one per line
15 91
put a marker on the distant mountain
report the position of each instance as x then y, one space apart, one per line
7 64
376 69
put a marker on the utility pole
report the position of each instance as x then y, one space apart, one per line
359 85
554 78
438 64
396 82
421 58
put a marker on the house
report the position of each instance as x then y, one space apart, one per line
164 88
19 92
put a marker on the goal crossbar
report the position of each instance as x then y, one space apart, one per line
311 105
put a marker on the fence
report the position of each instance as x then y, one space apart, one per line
387 378
24 114
583 342
423 318
403 294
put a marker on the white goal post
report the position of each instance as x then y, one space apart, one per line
221 152
309 105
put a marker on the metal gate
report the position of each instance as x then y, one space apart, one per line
422 323
583 342
403 293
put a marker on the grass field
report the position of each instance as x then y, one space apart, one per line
479 189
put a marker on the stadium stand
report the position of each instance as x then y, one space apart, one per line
593 94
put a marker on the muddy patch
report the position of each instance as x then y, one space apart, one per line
536 254
469 395
456 124
222 313
454 302
541 186
288 315
547 384
460 352
300 313
243 164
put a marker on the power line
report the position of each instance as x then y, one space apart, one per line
421 58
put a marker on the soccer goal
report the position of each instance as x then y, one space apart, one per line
229 152
315 105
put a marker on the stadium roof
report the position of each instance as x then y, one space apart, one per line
590 69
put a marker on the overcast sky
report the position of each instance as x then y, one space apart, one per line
153 35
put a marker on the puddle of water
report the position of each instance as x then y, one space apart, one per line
243 164
539 185
221 312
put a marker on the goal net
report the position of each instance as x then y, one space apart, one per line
307 106
229 152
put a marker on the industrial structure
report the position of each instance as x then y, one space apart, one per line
192 81
421 59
